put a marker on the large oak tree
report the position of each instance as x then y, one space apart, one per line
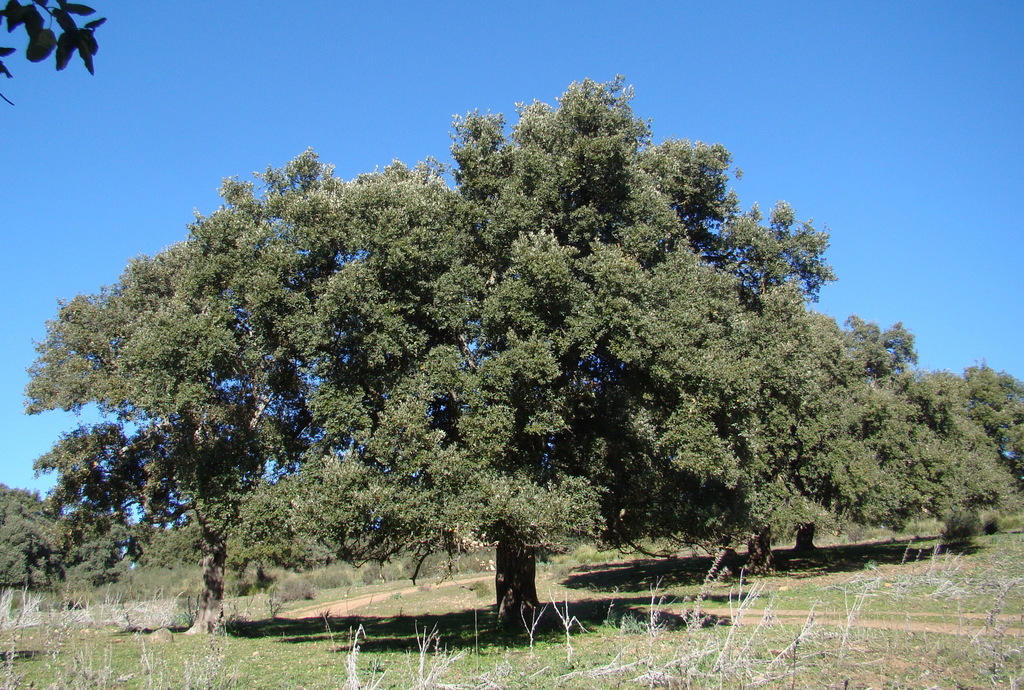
571 330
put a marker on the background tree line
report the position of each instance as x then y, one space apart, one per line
569 331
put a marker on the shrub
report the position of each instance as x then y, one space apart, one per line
922 527
855 533
633 623
481 588
991 523
586 553
476 561
1011 523
393 571
370 573
151 582
185 613
334 576
960 527
294 589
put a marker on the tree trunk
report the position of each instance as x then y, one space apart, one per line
515 582
210 613
262 579
760 558
805 537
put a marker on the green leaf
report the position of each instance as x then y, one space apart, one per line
41 3
41 45
15 14
96 23
86 41
81 10
32 19
4 70
86 49
66 47
4 52
65 21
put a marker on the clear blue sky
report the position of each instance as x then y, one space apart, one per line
899 126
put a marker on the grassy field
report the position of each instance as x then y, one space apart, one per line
890 614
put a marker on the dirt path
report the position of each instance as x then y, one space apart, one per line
344 607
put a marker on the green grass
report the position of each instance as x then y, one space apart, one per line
887 614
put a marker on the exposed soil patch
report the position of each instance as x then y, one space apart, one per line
344 607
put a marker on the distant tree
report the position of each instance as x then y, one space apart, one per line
98 558
898 442
29 556
170 546
850 431
772 374
997 404
36 18
796 365
268 532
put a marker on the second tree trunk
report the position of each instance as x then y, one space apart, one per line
760 558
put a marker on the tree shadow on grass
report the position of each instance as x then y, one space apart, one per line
845 558
648 574
7 656
456 630
464 629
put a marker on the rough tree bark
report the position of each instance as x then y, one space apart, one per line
515 582
210 612
804 537
760 558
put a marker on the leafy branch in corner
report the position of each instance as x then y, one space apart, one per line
37 18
